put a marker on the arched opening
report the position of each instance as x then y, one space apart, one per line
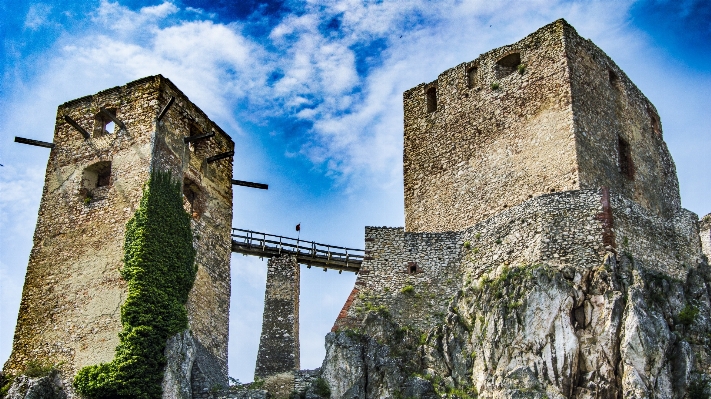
507 65
432 99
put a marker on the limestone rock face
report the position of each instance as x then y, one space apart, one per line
180 356
615 330
47 387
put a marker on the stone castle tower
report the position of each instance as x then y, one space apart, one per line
105 146
545 251
549 113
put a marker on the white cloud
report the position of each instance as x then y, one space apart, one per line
37 15
120 19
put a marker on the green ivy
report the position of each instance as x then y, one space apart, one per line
159 268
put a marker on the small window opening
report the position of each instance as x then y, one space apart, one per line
471 77
625 158
192 198
97 175
432 99
103 124
654 119
195 146
412 268
614 80
507 65
612 76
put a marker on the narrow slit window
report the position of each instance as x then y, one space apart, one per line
612 77
195 146
625 158
192 199
432 99
471 77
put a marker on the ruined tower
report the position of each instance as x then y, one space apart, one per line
105 146
545 252
549 113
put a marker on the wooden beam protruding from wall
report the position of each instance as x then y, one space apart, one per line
250 184
37 143
165 109
76 126
220 156
191 139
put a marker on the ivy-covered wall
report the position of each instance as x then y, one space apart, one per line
159 268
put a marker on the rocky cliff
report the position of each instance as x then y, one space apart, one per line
540 331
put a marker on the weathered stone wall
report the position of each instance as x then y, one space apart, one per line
502 134
571 230
73 291
279 343
304 378
582 294
666 246
208 303
705 234
486 149
70 309
607 105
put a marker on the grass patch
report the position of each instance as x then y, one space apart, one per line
408 289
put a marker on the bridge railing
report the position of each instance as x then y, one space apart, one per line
294 246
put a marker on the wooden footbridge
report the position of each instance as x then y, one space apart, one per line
309 253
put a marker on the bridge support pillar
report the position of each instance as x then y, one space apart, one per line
278 355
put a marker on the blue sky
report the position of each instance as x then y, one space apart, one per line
311 92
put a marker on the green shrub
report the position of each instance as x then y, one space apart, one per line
495 86
159 268
521 68
697 390
321 388
467 244
5 383
688 315
408 289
